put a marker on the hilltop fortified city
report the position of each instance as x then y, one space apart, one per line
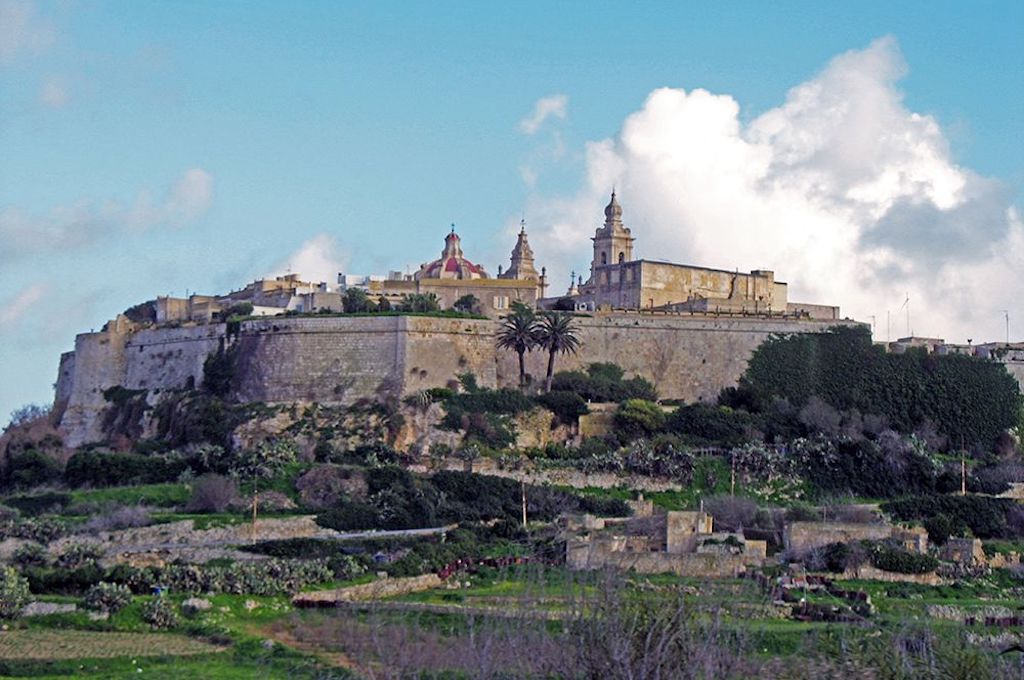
690 330
717 374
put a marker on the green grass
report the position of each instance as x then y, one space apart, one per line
155 495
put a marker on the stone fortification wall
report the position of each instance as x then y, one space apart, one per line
345 359
170 358
329 359
686 357
150 359
342 360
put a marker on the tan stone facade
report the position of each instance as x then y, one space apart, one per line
617 281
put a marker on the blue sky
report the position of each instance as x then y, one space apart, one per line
152 147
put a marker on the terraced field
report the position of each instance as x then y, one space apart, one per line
47 644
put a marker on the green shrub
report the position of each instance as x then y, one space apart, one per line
706 425
31 555
60 581
603 382
108 597
985 517
38 529
941 527
398 500
92 468
973 400
14 593
40 503
835 557
219 370
890 558
343 565
638 418
77 555
159 613
32 468
567 406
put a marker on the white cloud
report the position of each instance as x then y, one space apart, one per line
68 227
848 195
320 259
22 30
54 93
21 304
555 106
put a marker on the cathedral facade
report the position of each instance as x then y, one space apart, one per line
618 281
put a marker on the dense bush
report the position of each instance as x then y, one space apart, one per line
638 418
892 558
705 425
604 382
30 555
40 503
194 417
108 597
567 406
866 468
78 555
159 613
985 517
972 400
503 401
31 468
92 468
219 370
398 500
14 593
835 557
341 564
38 529
61 581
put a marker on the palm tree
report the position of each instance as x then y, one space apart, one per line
556 333
517 333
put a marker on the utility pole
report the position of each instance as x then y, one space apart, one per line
523 489
1006 315
255 495
963 473
732 480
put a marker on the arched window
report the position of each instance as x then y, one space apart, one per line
622 258
604 258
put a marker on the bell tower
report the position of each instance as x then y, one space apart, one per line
613 243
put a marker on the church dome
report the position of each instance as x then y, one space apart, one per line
452 264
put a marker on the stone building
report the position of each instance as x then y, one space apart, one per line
680 542
453 276
618 281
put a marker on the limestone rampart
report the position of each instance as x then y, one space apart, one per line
345 359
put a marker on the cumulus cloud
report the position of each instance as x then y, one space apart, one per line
21 304
22 30
69 227
849 196
320 259
553 106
